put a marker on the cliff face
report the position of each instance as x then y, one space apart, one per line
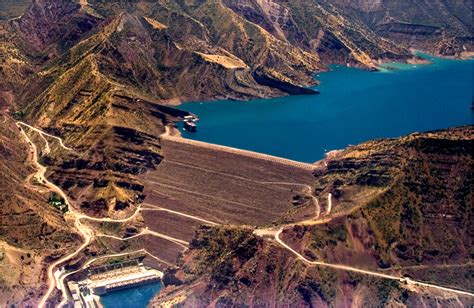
416 225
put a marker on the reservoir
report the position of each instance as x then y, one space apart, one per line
354 106
137 297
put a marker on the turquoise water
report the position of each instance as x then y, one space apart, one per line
354 106
137 297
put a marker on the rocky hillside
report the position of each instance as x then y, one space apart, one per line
102 75
420 217
94 71
10 9
416 225
240 49
32 232
438 26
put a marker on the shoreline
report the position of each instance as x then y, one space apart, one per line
210 114
414 60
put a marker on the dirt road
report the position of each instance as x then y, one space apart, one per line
86 233
403 280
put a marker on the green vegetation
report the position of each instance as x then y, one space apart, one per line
58 202
328 285
19 115
45 160
110 227
384 289
220 249
308 287
326 235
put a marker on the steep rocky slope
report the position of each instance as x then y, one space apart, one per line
318 27
227 43
93 72
12 8
416 225
32 232
438 26
100 74
421 216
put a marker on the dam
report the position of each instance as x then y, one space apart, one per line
109 278
354 106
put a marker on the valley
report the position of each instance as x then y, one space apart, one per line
174 238
98 175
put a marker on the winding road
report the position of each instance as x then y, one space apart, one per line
405 280
42 133
328 210
88 234
147 231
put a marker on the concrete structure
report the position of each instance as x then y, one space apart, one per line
108 278
123 278
81 297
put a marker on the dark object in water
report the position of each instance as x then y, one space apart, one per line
190 123
190 126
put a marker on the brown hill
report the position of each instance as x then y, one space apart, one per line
32 232
438 26
417 225
77 70
99 74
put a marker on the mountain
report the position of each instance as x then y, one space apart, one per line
78 69
400 207
106 77
439 26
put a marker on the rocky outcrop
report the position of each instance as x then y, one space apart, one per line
438 26
286 87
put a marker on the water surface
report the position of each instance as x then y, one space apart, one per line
137 297
354 106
